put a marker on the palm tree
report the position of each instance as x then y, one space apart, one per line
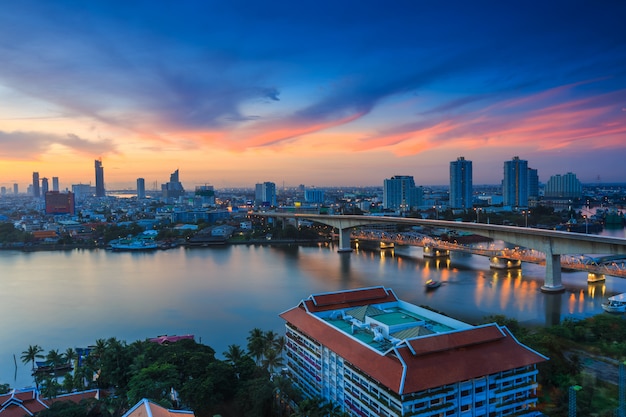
31 354
69 356
234 354
272 360
54 358
256 344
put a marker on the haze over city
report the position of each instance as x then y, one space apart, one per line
320 93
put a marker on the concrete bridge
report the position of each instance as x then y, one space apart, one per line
551 242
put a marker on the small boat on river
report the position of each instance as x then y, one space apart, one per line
615 304
432 284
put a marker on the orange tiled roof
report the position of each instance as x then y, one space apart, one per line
346 299
146 408
28 402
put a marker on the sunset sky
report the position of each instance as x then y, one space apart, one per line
321 93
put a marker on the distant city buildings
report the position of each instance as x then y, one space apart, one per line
55 183
60 203
36 189
461 188
314 196
400 193
141 188
373 354
100 191
45 186
515 189
563 187
81 191
265 194
174 188
205 196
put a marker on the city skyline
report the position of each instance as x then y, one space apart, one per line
327 94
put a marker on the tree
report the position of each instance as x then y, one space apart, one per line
154 383
31 354
256 344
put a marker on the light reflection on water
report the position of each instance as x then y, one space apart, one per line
69 299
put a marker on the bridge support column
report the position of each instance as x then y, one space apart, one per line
552 283
504 263
432 252
344 240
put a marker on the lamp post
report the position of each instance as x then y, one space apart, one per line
477 210
526 213
586 224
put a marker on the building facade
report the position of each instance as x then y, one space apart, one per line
461 187
174 188
141 188
400 193
563 187
373 354
265 194
60 203
515 183
55 183
100 192
36 189
314 196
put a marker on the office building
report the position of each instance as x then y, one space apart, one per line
36 189
81 191
400 193
15 189
174 188
563 187
461 188
55 183
60 203
314 196
373 354
265 194
141 188
45 186
100 192
515 183
204 196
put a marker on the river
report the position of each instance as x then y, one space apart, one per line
72 298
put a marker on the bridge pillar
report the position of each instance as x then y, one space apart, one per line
344 240
432 252
504 263
552 282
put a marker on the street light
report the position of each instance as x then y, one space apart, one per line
586 224
526 213
477 210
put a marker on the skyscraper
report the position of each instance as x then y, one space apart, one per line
141 188
45 186
173 188
15 189
265 194
36 192
55 183
400 193
461 188
515 183
99 178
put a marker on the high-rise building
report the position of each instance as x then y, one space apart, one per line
461 188
36 190
265 194
373 354
60 203
400 193
45 186
141 188
81 191
55 183
563 187
15 189
173 188
205 195
100 192
515 183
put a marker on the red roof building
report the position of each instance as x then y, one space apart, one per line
20 403
376 355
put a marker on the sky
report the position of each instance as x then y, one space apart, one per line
323 93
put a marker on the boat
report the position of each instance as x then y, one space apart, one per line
615 304
432 284
133 245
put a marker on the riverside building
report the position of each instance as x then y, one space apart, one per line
376 355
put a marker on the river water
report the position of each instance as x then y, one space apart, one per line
72 298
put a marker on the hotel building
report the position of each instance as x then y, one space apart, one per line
376 355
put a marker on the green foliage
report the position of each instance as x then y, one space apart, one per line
9 234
